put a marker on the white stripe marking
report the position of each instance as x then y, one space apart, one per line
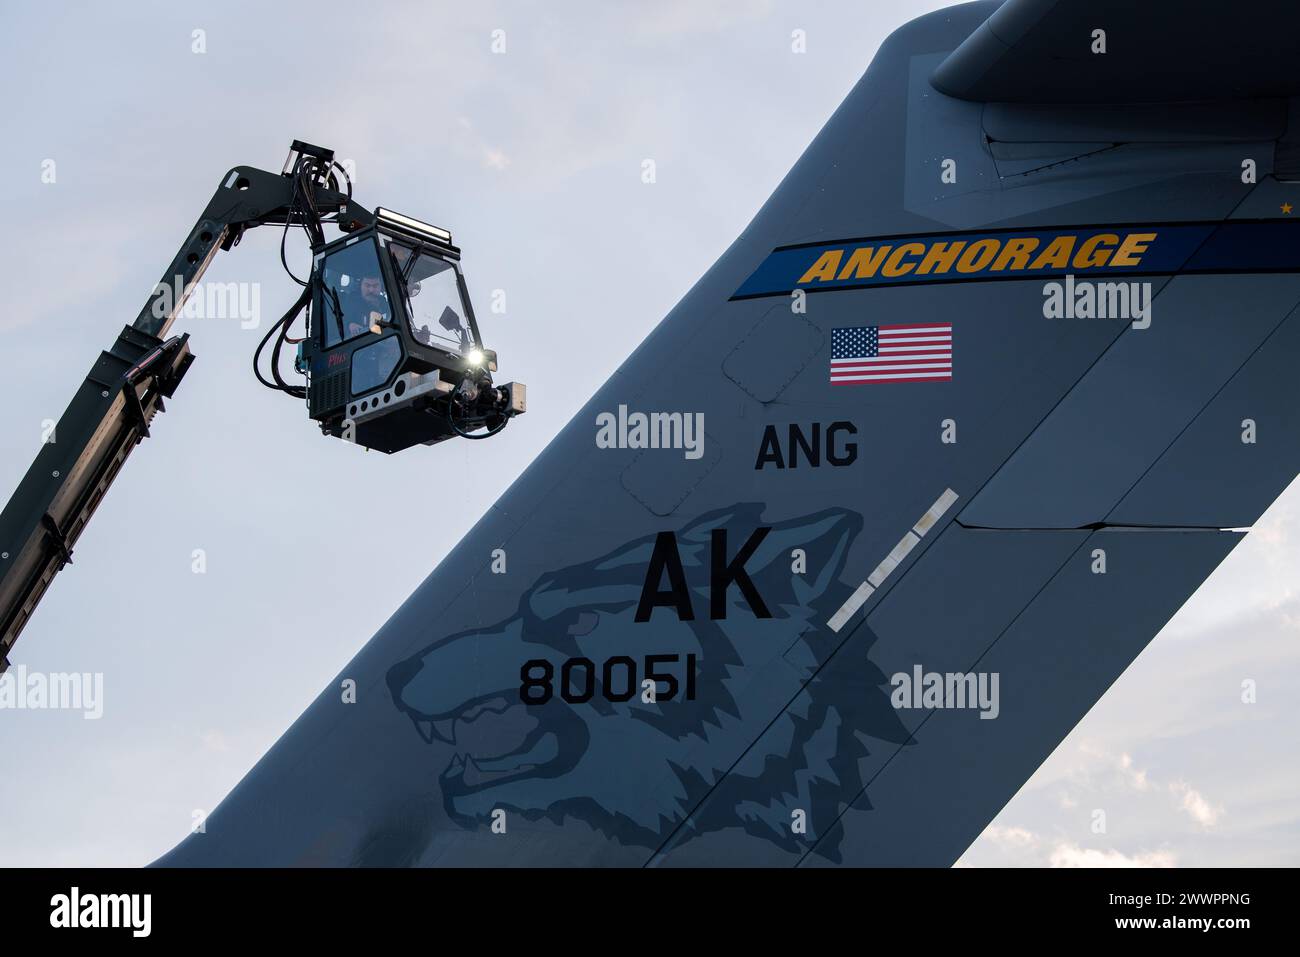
901 375
892 560
911 357
935 511
893 367
848 609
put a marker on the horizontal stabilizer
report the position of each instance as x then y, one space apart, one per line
1050 51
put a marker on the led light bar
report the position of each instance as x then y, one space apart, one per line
407 224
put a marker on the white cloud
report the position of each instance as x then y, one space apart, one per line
1055 815
1136 779
1023 847
1067 854
1197 807
1014 837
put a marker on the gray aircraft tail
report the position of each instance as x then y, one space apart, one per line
841 553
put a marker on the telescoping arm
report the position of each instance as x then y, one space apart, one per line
111 410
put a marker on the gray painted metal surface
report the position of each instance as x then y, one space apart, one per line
785 742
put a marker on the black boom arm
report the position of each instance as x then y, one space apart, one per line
111 410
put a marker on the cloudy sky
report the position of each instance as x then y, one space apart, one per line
533 157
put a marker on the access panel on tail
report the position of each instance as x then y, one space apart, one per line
877 513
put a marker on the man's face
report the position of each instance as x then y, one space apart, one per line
371 287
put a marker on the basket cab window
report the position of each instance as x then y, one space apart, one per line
373 364
436 310
352 292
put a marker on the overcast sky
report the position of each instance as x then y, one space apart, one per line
533 158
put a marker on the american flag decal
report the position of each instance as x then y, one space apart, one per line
862 354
